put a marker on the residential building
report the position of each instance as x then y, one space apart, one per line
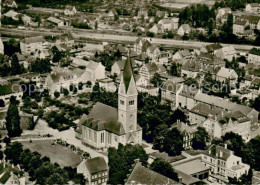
12 14
153 52
227 52
96 70
232 121
254 56
253 8
146 73
63 78
190 69
107 126
162 14
226 105
33 44
95 170
10 3
253 20
118 67
227 75
223 163
184 29
201 112
222 13
208 60
239 26
70 10
141 45
142 14
143 175
186 98
183 54
187 132
210 48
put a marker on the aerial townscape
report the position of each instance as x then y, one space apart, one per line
131 92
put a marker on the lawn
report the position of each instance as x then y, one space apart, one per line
56 153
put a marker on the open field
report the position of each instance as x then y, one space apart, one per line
56 153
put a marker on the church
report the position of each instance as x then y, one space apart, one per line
106 126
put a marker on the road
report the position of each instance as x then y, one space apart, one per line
90 34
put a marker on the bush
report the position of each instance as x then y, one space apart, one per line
150 34
56 94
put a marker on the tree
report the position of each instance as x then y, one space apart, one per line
15 67
185 37
164 168
211 24
161 132
65 91
116 17
2 103
256 103
175 69
173 143
200 138
120 161
41 66
156 80
56 94
96 25
13 120
179 115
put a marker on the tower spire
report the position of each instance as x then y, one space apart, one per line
127 73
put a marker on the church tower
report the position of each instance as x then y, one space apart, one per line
1 43
127 99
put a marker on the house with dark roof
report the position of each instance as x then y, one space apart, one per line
95 170
143 175
141 45
253 8
106 126
223 163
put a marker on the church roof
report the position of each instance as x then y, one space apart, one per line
127 73
103 117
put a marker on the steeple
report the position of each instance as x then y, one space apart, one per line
127 73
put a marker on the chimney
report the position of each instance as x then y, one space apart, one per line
225 145
222 114
220 154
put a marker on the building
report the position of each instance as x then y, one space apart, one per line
223 163
187 132
12 14
239 27
227 53
143 175
96 70
95 170
184 29
232 121
227 75
153 52
32 44
222 15
70 10
141 45
142 14
146 73
117 67
253 8
254 56
63 78
226 105
55 21
107 126
194 168
201 112
10 3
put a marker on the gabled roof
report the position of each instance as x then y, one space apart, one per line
11 13
97 164
186 27
226 72
254 4
143 175
92 65
213 47
54 20
219 152
191 167
235 116
205 110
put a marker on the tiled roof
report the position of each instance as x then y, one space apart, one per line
97 164
218 152
235 116
225 72
205 110
143 175
213 47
